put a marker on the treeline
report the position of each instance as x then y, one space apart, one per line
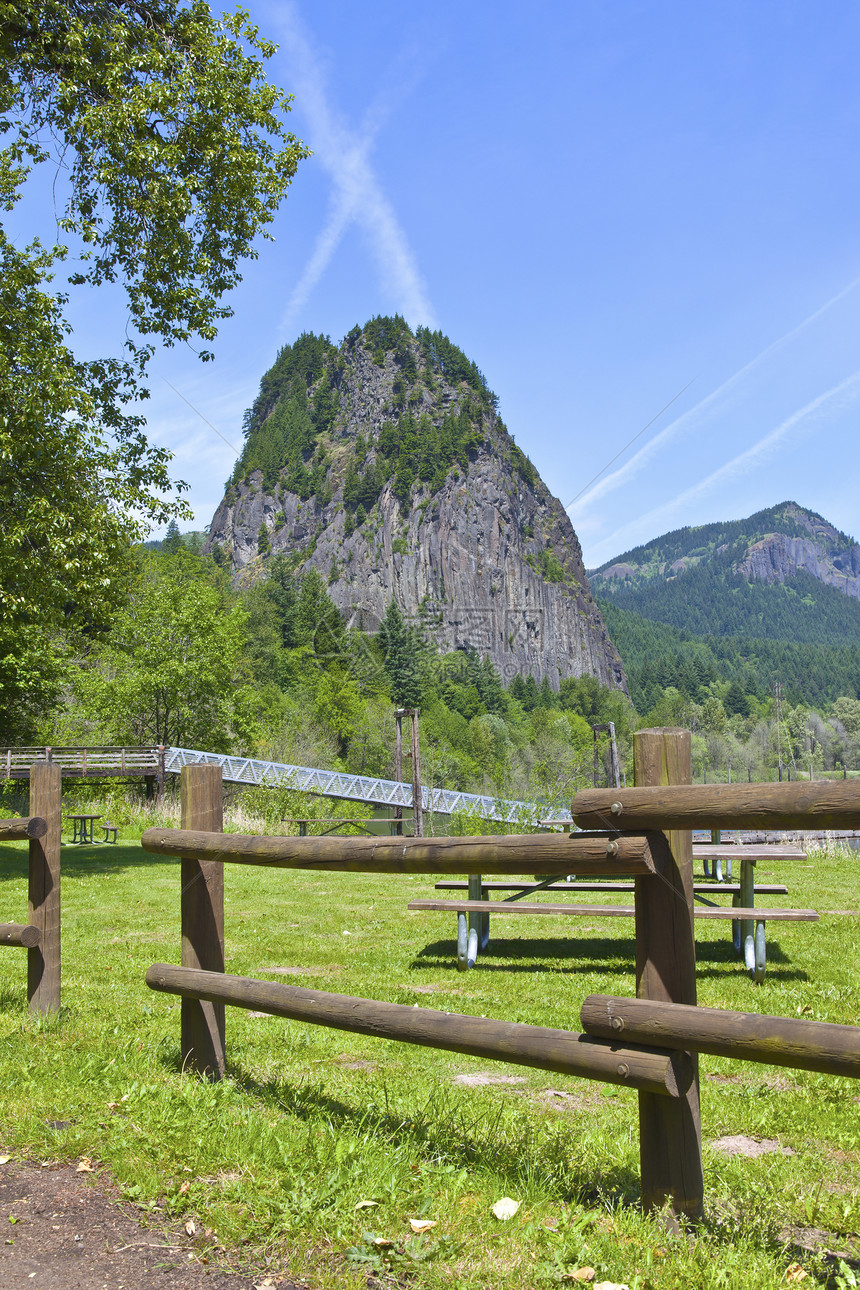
657 656
273 670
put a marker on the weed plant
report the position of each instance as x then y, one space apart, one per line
322 1149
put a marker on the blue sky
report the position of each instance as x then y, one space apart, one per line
602 204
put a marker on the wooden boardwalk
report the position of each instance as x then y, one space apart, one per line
104 762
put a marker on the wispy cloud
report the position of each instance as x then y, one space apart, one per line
357 195
804 419
699 412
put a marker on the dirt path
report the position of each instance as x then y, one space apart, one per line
63 1230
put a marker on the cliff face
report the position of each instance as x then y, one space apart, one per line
407 486
825 554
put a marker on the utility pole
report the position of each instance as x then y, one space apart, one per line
614 768
417 803
415 754
398 766
777 690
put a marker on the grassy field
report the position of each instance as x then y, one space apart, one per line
321 1149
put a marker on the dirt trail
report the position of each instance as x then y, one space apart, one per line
64 1230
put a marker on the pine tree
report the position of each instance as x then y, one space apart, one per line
172 542
401 653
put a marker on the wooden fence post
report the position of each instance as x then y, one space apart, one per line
202 1023
670 1131
43 961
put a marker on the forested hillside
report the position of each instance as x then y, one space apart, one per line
783 574
657 655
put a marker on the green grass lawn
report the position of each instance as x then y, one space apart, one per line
310 1123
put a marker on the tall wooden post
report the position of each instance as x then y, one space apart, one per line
43 961
202 1023
613 753
417 802
670 1132
398 766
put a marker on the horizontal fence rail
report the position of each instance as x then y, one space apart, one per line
23 830
599 853
359 788
22 934
778 1041
721 806
561 1051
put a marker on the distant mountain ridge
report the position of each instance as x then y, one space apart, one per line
783 574
776 543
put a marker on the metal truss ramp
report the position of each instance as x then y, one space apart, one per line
359 788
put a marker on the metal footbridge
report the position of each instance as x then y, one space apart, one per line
359 788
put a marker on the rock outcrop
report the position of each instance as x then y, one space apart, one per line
406 485
825 554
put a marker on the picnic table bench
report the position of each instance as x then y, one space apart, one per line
748 921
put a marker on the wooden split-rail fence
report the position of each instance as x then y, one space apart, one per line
40 935
650 1043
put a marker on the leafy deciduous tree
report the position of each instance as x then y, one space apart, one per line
173 157
170 672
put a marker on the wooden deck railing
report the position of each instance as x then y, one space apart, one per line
89 762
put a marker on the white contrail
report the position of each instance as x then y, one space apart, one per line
640 458
739 465
358 196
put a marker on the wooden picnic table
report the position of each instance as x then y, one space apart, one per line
83 827
748 929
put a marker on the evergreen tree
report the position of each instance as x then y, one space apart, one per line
401 654
282 591
318 619
531 695
172 541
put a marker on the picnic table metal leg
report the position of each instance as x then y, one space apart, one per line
755 951
747 898
711 869
760 952
467 942
737 939
481 922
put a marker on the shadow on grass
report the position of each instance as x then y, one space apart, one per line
460 1134
84 861
615 956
